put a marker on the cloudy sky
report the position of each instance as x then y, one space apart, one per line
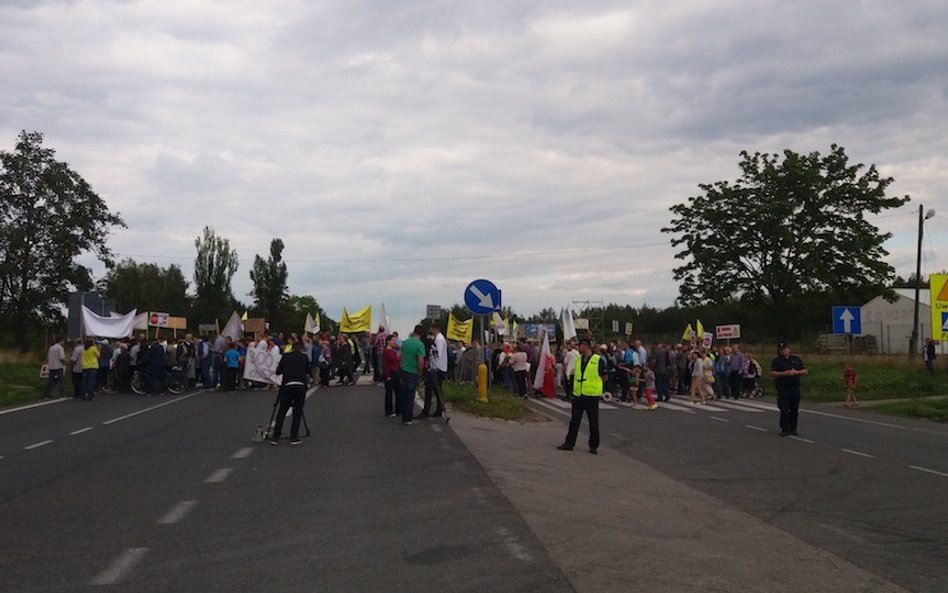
404 148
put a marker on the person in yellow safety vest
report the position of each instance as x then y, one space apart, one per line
588 380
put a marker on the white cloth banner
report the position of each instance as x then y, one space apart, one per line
569 328
234 328
108 327
261 365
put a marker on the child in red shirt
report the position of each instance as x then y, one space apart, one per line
850 378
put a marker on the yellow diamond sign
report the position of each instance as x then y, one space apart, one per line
938 285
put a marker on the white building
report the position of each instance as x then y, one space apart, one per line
891 323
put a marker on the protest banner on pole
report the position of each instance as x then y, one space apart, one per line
261 365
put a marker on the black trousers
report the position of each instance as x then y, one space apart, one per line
393 388
430 387
789 404
290 396
589 405
77 384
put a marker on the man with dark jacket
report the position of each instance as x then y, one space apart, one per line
154 361
294 366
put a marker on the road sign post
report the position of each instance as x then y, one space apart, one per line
847 320
482 297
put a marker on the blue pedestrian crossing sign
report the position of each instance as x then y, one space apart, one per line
847 320
944 322
482 297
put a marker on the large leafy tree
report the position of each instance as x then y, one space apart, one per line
214 268
147 287
269 278
791 225
49 215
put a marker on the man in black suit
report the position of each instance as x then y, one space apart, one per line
294 366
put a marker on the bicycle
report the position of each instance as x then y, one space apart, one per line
176 380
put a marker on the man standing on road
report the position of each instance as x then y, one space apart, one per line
438 369
736 369
55 359
413 364
294 366
786 370
588 381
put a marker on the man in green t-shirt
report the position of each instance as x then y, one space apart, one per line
413 364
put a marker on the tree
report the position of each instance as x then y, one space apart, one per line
49 215
147 287
214 268
269 285
299 306
786 228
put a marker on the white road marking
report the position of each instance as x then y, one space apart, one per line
168 403
616 435
241 453
36 445
219 475
553 408
929 471
676 407
801 439
514 546
719 419
36 405
739 408
80 431
177 512
757 428
851 452
754 405
864 421
120 567
557 402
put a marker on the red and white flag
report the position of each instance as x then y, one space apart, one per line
545 380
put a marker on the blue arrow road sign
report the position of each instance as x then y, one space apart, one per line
847 320
482 297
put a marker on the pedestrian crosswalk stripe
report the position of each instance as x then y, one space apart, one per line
566 405
675 407
731 406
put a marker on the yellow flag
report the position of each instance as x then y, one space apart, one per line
515 328
686 337
460 331
244 317
360 321
699 330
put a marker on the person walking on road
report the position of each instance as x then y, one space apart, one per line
90 370
294 367
55 365
786 370
413 364
391 363
590 374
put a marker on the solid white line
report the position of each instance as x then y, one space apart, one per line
37 445
851 452
80 431
930 471
36 405
219 475
756 428
241 453
874 422
177 512
168 403
719 419
802 440
120 567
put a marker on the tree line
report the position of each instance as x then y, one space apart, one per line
772 250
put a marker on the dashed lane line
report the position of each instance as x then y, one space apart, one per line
928 471
801 439
219 475
36 445
177 512
120 567
36 405
757 428
242 453
80 431
860 454
167 403
719 419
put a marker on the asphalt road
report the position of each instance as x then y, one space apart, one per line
167 494
870 488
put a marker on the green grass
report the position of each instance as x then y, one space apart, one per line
19 384
932 409
878 379
501 402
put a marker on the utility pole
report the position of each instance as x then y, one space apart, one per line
922 217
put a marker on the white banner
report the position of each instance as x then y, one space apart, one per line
234 328
108 327
261 365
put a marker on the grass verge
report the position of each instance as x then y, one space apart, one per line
19 384
500 402
936 409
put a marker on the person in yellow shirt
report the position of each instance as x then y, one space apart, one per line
90 369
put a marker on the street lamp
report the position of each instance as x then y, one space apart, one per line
913 345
